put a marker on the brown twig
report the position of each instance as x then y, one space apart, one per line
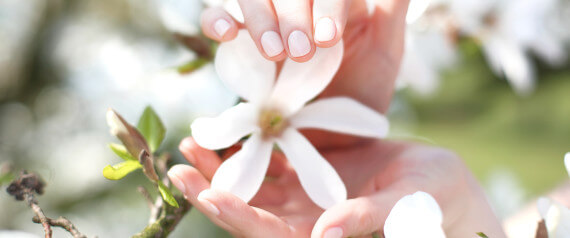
24 188
60 222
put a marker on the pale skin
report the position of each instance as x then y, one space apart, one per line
376 173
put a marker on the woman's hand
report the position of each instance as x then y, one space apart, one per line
377 174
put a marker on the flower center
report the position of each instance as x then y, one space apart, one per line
272 122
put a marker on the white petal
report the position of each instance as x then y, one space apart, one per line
342 114
300 82
556 216
243 70
227 128
317 176
416 215
231 6
415 10
244 172
182 16
507 57
567 162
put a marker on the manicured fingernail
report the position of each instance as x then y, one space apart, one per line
186 147
299 44
271 43
209 206
335 232
174 176
221 26
325 30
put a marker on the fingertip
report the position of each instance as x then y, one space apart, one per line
300 46
218 25
327 33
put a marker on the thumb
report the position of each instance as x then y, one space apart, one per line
358 216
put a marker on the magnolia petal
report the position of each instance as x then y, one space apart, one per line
508 58
244 172
556 216
567 162
227 128
182 16
342 114
415 215
300 82
243 70
319 179
416 9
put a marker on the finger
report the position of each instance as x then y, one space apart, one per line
248 221
296 26
262 25
190 183
206 161
359 216
218 25
329 20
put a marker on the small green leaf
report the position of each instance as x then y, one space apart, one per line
166 194
151 128
121 151
6 178
192 66
121 170
481 234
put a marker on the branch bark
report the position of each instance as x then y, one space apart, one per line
168 220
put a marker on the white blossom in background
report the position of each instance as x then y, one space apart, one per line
415 215
556 215
272 114
183 16
507 30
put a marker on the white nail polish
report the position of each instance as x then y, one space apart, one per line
271 43
325 30
209 206
221 26
176 181
299 44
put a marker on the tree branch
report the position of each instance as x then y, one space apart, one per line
60 222
167 221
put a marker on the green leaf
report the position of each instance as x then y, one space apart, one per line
121 170
192 66
6 178
166 194
121 151
151 128
481 234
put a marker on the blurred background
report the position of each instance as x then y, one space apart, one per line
488 79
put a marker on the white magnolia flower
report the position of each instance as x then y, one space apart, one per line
183 16
556 215
273 113
507 29
415 215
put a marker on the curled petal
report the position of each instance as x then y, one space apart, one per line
227 128
416 9
342 114
300 82
243 70
415 215
243 173
567 162
319 179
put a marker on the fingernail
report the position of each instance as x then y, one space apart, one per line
271 43
186 148
299 44
335 232
221 26
176 181
325 30
209 206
